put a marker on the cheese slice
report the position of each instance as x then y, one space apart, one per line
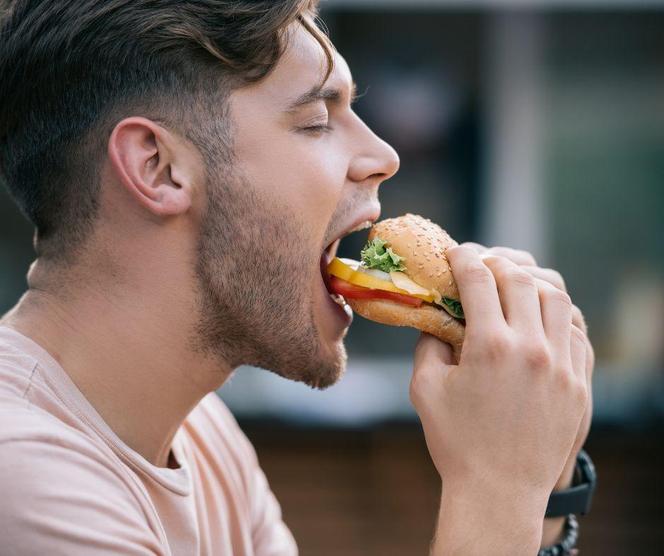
353 272
401 281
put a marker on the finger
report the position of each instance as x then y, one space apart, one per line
478 290
431 364
578 353
556 308
430 349
579 320
519 296
548 275
555 279
478 247
517 256
590 365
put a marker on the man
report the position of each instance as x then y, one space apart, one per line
185 165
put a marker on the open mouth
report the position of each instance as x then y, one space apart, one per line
330 252
327 256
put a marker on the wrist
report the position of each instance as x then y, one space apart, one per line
510 519
553 527
567 475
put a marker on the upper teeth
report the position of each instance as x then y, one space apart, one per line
360 227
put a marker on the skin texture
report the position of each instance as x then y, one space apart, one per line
193 270
520 339
196 267
330 179
553 527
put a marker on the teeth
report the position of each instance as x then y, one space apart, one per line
362 226
339 300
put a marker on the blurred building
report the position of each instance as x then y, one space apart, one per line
538 125
540 129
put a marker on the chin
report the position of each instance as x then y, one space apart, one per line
333 368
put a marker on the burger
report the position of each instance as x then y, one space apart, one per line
403 279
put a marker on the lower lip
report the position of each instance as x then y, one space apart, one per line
345 313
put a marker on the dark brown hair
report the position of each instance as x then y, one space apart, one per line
70 70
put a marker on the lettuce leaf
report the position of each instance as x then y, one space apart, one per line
376 255
454 307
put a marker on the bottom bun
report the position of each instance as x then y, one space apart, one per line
426 318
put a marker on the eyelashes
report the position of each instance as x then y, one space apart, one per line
318 129
314 129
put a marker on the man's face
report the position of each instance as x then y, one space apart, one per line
304 174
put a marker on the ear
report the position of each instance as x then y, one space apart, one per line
152 165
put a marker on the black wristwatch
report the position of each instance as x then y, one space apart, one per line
577 498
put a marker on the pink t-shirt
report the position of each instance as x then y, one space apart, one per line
69 486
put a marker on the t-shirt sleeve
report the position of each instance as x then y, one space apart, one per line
60 501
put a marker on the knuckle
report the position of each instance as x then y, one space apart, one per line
521 277
507 271
497 252
554 295
566 380
553 277
557 279
477 273
538 357
527 258
517 256
578 335
478 247
498 345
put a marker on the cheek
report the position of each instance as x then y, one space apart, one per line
320 175
305 172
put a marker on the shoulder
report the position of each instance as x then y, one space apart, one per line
61 493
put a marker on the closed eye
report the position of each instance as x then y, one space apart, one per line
322 128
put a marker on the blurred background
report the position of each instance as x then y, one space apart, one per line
537 125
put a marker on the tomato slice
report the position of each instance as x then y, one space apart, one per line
351 291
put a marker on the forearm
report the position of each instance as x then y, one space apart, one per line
552 529
475 520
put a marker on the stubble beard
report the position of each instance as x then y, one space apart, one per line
256 306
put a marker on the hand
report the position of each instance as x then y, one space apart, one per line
508 414
528 263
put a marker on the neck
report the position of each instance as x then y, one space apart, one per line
130 355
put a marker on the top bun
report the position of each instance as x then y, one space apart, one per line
422 244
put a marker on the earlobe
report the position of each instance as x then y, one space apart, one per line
142 155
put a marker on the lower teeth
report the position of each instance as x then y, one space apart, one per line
339 300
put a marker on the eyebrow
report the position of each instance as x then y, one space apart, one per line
318 93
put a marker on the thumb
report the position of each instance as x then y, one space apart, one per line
431 354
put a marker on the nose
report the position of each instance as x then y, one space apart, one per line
375 160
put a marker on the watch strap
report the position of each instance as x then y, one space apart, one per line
576 499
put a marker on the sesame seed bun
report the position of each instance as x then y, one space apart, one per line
423 245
